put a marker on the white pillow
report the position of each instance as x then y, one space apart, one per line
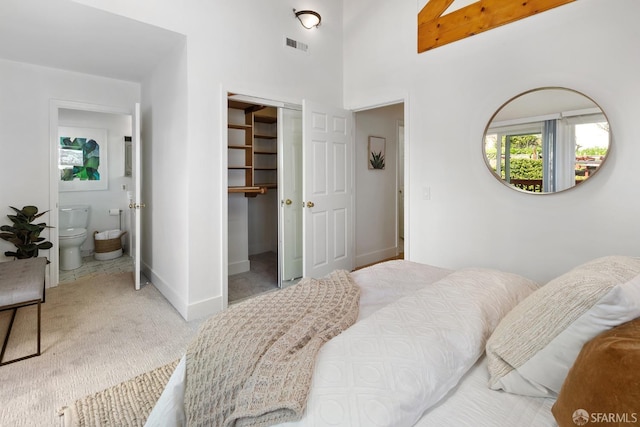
533 347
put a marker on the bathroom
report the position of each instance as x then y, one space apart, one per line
107 198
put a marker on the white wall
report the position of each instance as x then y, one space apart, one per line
471 219
26 91
224 55
221 55
263 223
376 209
165 179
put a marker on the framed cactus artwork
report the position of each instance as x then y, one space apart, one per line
82 159
376 157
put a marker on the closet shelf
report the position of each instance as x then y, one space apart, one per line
266 115
251 142
239 126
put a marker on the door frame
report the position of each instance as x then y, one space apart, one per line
385 102
54 106
400 156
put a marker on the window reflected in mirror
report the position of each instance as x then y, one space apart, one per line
547 140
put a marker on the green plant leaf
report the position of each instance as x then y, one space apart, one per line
29 211
24 235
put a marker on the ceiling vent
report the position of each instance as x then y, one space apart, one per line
296 44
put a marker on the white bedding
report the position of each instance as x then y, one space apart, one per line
420 329
473 403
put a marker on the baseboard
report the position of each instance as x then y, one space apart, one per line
205 308
197 310
376 256
239 267
167 291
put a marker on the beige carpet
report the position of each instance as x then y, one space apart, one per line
96 333
262 277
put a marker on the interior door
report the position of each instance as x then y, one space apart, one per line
327 151
400 180
135 203
290 189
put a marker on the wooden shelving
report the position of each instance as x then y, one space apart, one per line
239 126
255 170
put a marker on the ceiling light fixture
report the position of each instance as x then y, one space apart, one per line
308 18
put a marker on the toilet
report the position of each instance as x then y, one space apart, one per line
72 223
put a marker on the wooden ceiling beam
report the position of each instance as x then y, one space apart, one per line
433 10
436 30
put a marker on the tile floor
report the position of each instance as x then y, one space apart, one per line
92 266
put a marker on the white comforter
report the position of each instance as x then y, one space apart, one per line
391 366
419 331
473 403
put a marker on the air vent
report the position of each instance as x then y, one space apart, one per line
296 44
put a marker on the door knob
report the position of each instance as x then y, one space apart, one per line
288 202
310 204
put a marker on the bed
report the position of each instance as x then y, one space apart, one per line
427 347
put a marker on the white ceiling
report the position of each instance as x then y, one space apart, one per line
70 36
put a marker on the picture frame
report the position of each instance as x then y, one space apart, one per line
377 152
82 159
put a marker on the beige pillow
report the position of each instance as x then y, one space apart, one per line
535 345
603 386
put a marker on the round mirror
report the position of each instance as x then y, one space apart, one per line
547 140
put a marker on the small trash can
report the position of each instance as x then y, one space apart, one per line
108 244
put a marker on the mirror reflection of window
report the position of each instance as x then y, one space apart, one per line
547 140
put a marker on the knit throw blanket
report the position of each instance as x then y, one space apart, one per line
251 365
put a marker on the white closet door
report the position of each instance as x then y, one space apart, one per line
328 232
290 187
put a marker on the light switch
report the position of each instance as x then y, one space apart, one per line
426 193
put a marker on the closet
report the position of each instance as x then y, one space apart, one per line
269 170
253 198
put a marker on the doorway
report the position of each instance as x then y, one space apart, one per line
380 172
264 142
107 201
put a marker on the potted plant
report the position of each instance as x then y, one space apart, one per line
24 234
377 160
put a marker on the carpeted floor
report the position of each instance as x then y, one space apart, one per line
96 332
263 277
